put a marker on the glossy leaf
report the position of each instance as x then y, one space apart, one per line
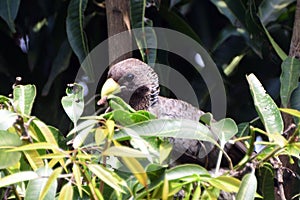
177 128
73 103
276 47
49 184
186 170
24 96
109 177
33 146
18 177
77 177
76 35
293 112
9 158
248 187
265 106
123 151
36 186
8 12
290 73
116 102
60 64
225 129
7 119
66 192
270 10
226 183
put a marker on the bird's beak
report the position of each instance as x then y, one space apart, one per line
110 87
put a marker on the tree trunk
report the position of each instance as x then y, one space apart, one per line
117 12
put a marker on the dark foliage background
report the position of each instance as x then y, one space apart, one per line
42 26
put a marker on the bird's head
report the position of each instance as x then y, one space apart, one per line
136 81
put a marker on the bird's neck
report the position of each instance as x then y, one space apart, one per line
143 98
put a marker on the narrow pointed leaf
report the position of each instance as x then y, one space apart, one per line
248 187
109 177
24 96
77 176
77 36
8 12
123 151
66 192
290 73
17 177
186 170
265 106
293 112
51 180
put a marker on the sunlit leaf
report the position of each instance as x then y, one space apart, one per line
24 96
226 183
17 177
225 129
49 184
265 106
8 12
36 186
109 177
248 187
77 176
73 103
9 158
123 151
7 119
185 170
66 192
290 73
34 146
293 112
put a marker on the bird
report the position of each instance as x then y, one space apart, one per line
139 85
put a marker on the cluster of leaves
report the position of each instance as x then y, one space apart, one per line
38 163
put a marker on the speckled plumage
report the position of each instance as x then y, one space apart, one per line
140 87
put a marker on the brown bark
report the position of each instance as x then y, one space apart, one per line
117 12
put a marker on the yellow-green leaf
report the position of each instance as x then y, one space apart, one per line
66 192
52 178
77 177
123 151
17 177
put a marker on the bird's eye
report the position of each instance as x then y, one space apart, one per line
129 77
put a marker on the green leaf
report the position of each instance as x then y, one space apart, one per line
266 181
270 10
9 158
24 96
185 170
77 36
73 103
77 177
34 146
8 12
60 64
225 183
248 187
265 106
66 192
277 48
109 177
36 186
223 8
50 182
116 102
290 72
7 119
17 177
225 129
123 151
176 128
228 69
293 112
122 117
